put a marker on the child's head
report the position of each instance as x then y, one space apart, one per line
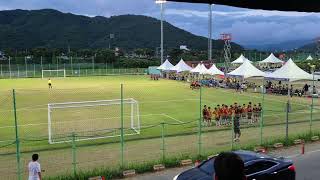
35 157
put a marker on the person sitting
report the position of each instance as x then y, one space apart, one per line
229 166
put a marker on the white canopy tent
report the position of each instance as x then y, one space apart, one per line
290 72
166 66
247 70
271 59
200 68
180 67
309 57
213 70
241 59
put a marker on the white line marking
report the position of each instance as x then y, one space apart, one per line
63 122
172 118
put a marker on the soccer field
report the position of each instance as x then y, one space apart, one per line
164 101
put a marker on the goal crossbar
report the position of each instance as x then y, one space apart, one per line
53 70
132 121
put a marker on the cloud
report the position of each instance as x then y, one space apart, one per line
237 14
247 26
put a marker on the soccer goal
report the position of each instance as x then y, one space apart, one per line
53 73
92 119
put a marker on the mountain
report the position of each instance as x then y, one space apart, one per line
53 29
311 47
283 46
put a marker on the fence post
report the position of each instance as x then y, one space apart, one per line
74 155
71 65
10 66
17 136
232 131
261 119
25 61
34 70
163 142
199 123
121 135
18 71
311 110
106 68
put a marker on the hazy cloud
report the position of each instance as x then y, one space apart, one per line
247 26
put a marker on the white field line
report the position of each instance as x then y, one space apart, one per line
162 114
172 118
66 122
45 106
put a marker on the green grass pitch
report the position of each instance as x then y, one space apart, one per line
163 101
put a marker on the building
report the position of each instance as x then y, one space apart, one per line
2 56
184 47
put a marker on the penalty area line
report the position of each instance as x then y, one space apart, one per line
172 118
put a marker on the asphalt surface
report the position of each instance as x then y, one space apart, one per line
307 165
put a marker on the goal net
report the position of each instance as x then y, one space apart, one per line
92 119
53 73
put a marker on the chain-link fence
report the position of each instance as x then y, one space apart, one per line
32 70
132 123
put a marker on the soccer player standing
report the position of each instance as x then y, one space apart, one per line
50 83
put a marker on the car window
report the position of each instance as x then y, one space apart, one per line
259 166
207 167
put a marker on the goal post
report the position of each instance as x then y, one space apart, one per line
92 119
53 73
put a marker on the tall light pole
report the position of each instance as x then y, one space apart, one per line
161 2
210 34
312 67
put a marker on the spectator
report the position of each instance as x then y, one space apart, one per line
34 168
229 166
306 88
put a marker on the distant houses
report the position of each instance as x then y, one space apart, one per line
2 56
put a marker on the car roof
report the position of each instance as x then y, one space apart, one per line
247 156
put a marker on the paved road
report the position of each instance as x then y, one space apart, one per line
307 165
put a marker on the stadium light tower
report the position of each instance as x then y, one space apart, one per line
210 33
161 2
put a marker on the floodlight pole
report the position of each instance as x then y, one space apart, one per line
210 34
161 8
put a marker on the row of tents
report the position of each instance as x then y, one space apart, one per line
288 72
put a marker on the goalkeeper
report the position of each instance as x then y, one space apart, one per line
50 83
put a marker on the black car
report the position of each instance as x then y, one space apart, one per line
257 167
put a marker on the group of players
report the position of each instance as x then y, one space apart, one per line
224 114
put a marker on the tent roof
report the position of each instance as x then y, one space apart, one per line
309 57
241 59
165 66
247 70
284 5
200 68
213 70
271 59
290 72
181 66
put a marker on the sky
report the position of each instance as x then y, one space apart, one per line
246 26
